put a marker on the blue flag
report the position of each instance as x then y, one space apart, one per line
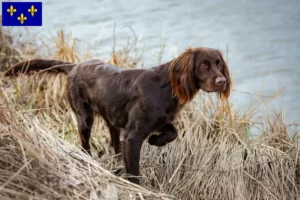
21 13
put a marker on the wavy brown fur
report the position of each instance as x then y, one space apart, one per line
182 76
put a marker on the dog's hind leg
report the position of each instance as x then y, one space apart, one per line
85 120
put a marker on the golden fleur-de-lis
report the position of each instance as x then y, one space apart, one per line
11 10
32 10
22 18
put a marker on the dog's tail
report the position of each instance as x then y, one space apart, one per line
53 66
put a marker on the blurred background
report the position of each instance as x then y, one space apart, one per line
260 39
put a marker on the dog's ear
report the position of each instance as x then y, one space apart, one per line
225 94
182 78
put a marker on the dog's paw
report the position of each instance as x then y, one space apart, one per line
156 140
153 139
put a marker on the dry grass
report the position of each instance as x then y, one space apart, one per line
8 54
15 49
213 158
128 56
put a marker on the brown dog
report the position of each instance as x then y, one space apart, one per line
136 102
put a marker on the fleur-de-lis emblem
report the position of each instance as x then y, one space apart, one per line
32 10
11 10
22 18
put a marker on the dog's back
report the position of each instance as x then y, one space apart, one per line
108 90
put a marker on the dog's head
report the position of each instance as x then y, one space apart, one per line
199 68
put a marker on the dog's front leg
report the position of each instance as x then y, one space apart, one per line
168 133
131 142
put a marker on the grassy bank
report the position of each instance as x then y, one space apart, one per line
214 156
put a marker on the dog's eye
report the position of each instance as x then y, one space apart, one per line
219 64
203 66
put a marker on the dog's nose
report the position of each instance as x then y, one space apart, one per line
220 81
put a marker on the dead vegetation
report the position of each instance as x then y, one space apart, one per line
213 158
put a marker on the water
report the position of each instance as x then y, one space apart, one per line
263 37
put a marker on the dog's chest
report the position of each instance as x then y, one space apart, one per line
171 109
